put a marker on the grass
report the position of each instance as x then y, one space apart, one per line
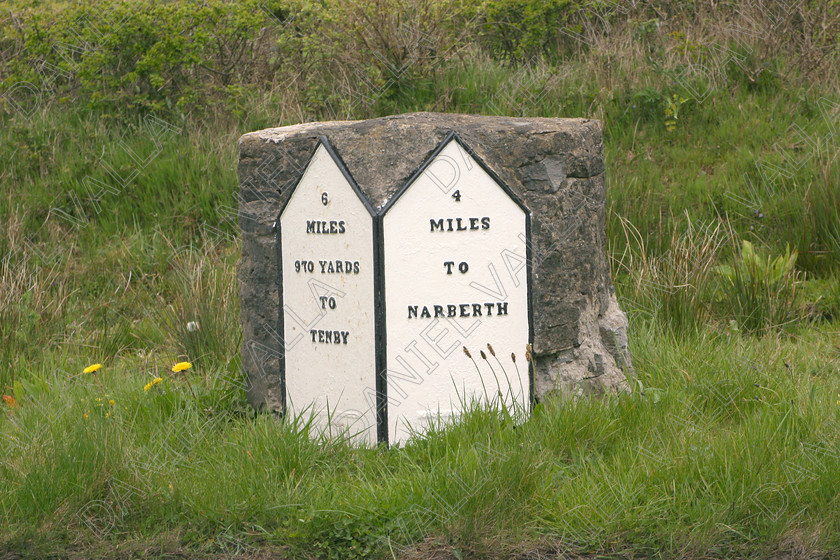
728 441
119 231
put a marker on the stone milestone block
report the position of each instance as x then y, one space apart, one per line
374 252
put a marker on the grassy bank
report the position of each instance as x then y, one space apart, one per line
119 228
726 448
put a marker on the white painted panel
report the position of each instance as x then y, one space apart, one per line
429 375
328 299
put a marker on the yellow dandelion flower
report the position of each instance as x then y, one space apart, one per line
85 416
151 384
112 402
181 366
91 368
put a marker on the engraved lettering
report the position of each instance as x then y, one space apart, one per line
459 224
329 336
452 310
323 226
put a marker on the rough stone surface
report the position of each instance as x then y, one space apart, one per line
554 165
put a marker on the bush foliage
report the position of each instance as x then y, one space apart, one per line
197 57
145 55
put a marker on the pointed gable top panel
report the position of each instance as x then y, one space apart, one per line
445 166
325 165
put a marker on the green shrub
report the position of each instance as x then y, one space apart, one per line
517 30
760 292
349 58
145 55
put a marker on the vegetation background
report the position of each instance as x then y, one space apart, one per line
119 246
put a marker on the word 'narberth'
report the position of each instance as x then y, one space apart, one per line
458 310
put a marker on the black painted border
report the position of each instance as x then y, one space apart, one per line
377 273
382 335
529 278
528 255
